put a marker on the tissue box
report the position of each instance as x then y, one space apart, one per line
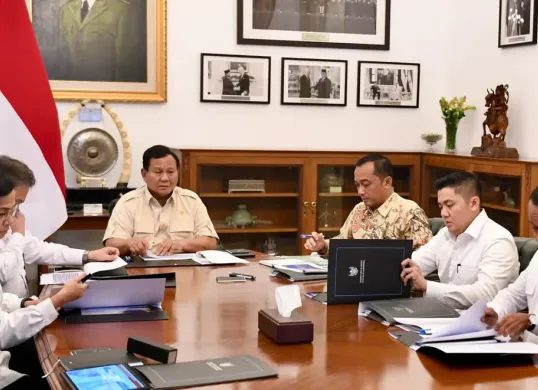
282 330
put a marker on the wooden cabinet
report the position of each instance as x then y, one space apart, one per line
506 186
315 191
304 192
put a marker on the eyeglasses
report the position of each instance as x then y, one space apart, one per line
10 213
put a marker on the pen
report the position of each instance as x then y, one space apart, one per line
248 277
305 235
424 331
85 278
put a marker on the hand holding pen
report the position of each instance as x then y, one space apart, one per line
315 242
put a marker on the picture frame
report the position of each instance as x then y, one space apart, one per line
333 24
235 78
313 82
388 84
88 64
517 23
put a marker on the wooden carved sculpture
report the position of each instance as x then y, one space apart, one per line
496 115
493 144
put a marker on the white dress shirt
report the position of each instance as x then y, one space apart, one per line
17 250
18 325
521 294
474 265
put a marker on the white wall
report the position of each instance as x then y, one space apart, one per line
476 63
420 32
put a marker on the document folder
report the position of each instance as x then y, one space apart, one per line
205 372
123 298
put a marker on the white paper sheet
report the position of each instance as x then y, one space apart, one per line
63 277
94 267
58 277
218 257
177 256
468 322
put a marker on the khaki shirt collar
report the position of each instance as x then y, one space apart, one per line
148 197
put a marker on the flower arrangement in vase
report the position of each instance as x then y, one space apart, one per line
453 111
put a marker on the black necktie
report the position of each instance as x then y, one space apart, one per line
84 10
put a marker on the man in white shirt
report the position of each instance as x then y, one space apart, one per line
20 247
21 319
474 256
502 311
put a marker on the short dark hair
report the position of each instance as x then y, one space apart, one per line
324 71
382 165
17 171
6 185
458 180
227 71
157 151
534 196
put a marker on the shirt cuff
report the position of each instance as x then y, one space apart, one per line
436 289
17 240
498 309
75 256
47 310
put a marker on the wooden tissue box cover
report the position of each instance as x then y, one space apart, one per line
282 330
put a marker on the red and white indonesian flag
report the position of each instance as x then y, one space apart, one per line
29 127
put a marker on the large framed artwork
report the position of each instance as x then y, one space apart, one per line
517 22
350 24
388 84
111 50
314 82
231 78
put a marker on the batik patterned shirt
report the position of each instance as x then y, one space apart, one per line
397 218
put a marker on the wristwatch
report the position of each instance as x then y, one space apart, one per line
24 301
534 322
85 257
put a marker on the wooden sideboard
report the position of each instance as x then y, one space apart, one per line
297 197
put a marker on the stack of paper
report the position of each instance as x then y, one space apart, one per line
466 334
203 257
150 256
63 277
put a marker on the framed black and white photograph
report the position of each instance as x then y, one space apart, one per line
350 24
517 22
388 84
314 82
228 78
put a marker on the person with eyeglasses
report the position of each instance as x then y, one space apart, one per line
21 319
21 247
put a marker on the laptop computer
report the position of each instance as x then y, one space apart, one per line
366 270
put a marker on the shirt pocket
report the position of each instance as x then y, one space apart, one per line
144 228
182 227
466 274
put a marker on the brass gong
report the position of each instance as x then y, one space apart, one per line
92 152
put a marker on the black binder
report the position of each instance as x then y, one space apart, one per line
297 276
366 270
206 372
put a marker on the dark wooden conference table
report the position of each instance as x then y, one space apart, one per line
208 320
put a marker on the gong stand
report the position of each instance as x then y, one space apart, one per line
86 149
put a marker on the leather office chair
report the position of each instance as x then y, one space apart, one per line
526 246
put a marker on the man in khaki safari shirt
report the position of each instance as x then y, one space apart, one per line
382 214
160 215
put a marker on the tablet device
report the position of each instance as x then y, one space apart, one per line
114 376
